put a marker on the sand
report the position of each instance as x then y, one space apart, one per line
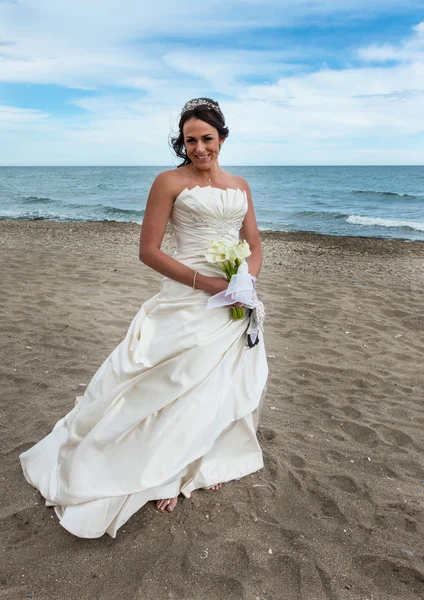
337 513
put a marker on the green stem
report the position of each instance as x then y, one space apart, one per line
237 313
227 274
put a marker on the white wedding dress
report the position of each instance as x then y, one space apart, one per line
173 408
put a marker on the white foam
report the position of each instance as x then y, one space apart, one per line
377 221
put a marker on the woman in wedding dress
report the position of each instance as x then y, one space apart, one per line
175 406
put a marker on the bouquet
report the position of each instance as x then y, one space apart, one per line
229 256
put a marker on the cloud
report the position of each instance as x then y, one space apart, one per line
225 70
330 103
282 105
409 50
120 42
10 116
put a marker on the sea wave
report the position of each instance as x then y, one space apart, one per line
378 193
379 222
65 214
126 212
318 214
36 215
36 200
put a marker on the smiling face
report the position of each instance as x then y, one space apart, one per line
202 143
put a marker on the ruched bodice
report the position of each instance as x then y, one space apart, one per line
203 214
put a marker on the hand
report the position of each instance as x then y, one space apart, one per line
211 285
214 285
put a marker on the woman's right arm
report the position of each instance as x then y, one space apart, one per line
158 210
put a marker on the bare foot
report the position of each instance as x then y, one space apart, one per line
216 487
167 504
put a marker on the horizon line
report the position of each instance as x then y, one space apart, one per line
226 166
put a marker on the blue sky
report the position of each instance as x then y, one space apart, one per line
300 81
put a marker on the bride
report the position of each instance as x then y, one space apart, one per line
175 406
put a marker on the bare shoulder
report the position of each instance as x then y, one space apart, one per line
234 181
242 184
170 182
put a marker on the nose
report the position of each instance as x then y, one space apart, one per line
200 146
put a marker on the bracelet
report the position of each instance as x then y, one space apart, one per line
194 280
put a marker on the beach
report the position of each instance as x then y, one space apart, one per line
337 513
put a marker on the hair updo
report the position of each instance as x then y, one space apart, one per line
206 110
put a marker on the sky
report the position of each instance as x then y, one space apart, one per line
301 82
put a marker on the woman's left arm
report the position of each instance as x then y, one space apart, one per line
250 233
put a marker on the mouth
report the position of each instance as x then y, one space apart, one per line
202 158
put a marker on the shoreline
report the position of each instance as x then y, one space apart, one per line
313 254
303 235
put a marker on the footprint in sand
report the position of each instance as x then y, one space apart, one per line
395 437
351 412
392 578
360 433
347 484
297 461
328 506
265 434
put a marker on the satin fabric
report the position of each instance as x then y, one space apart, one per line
173 408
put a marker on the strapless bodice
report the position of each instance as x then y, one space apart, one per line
202 214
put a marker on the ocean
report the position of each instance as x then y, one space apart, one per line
384 201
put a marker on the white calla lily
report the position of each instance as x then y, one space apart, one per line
228 256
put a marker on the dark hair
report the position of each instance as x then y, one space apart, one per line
199 108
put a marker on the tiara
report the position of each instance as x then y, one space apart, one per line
200 102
